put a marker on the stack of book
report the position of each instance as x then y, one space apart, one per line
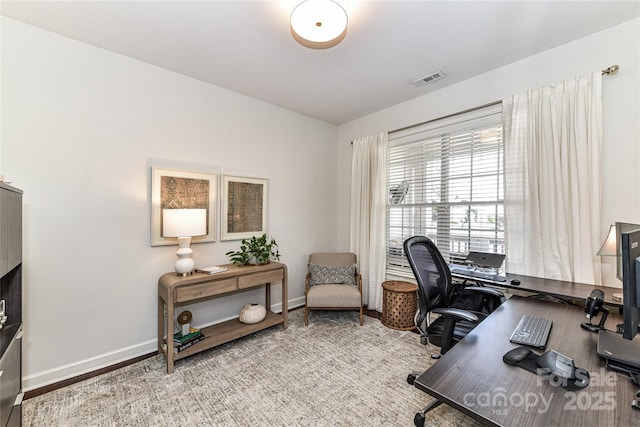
183 342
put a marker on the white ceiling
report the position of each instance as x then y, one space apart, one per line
247 47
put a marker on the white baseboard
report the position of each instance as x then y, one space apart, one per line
294 303
52 376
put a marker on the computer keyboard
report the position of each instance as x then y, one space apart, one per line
532 331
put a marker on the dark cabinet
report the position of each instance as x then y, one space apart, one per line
10 306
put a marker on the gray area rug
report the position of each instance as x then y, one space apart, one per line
331 373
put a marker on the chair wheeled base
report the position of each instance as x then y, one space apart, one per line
419 418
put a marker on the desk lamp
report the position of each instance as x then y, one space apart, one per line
184 224
609 248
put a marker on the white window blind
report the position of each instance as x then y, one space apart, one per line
445 181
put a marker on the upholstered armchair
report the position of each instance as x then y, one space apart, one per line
333 283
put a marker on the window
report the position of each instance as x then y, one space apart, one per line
446 182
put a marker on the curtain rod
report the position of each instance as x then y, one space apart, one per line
445 117
607 72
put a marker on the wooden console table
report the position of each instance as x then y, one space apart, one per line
174 291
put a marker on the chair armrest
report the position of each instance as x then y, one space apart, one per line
306 282
483 290
457 314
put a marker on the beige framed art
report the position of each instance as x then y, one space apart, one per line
180 189
244 207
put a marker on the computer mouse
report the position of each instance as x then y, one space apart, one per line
515 282
517 355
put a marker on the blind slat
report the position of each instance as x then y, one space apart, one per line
446 182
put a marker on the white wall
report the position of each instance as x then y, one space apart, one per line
81 127
621 109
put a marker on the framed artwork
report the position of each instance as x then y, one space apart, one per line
179 189
244 207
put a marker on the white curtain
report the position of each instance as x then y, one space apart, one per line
367 240
553 148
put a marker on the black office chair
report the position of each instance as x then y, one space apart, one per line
459 308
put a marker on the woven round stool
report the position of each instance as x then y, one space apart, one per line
399 305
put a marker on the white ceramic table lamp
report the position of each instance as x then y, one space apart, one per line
184 224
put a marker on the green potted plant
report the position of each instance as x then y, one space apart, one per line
257 250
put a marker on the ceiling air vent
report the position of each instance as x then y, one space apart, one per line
428 79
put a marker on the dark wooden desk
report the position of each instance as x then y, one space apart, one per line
560 289
472 377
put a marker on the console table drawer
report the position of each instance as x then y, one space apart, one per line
204 290
259 279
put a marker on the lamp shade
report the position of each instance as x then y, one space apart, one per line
319 24
184 222
609 246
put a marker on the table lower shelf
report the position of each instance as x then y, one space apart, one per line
225 332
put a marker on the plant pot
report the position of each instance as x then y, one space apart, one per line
254 261
254 250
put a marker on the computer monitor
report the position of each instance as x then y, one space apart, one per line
630 254
622 227
623 352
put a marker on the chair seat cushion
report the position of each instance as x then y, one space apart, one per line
333 295
436 329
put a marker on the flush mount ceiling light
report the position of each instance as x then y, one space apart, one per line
318 24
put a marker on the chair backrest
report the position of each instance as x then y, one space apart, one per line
431 271
342 259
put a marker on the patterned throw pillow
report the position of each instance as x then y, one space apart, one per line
322 274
